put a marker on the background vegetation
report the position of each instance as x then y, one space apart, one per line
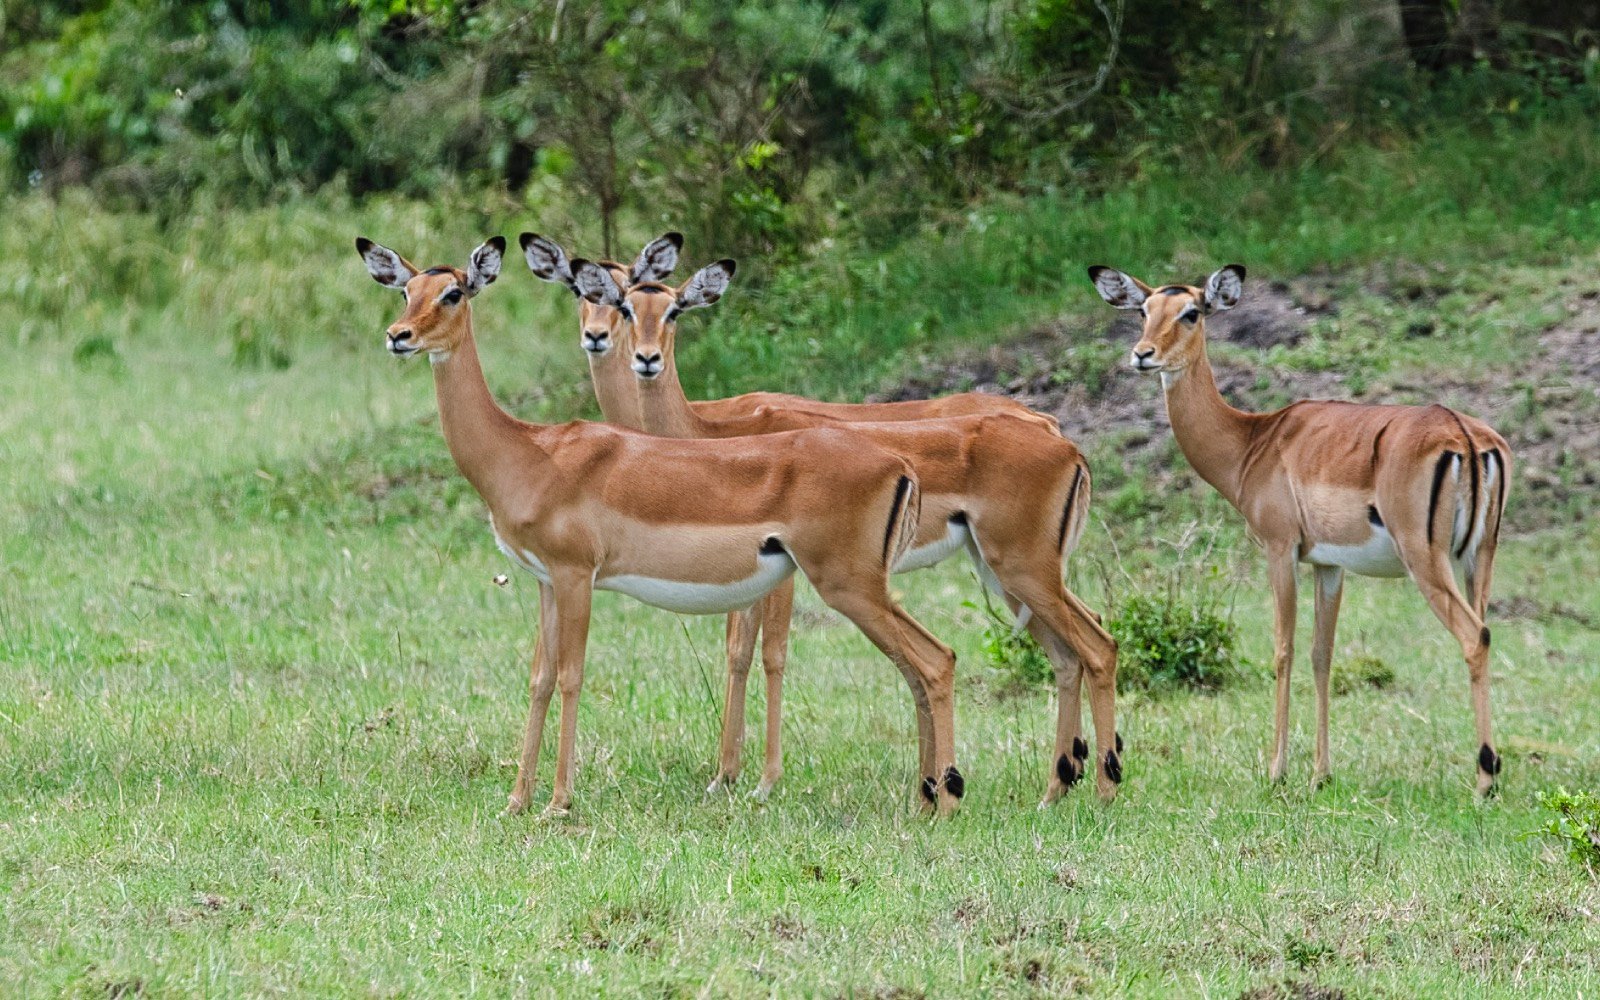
261 697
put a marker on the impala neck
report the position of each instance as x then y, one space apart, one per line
1212 435
483 439
614 388
664 409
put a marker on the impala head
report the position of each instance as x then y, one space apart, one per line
652 308
601 327
436 314
1174 315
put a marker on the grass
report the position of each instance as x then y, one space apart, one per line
262 699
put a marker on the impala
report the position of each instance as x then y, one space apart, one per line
1384 491
1003 485
691 526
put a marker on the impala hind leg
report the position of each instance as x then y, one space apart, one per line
573 597
777 611
1329 589
541 685
929 668
742 628
1280 571
1433 576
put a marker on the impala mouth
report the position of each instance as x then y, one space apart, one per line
1145 364
647 369
401 350
596 345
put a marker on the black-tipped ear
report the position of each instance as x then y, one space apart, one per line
1224 288
708 285
595 283
484 267
387 268
657 260
547 260
1119 290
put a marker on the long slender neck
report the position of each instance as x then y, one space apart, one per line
664 409
484 440
1212 435
615 389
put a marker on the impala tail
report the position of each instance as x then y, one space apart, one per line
1467 495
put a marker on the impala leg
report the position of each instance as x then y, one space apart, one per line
1432 574
778 610
1329 589
1069 760
742 627
1280 571
929 668
541 684
573 596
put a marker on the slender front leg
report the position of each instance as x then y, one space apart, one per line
1280 570
742 627
1330 588
573 595
777 610
541 684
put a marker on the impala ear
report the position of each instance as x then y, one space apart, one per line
657 259
707 286
547 260
1122 291
485 264
1223 288
595 283
387 268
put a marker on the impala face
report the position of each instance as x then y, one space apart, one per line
652 308
1174 315
602 327
436 312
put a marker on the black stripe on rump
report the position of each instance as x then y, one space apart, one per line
900 490
1439 470
1066 513
1472 508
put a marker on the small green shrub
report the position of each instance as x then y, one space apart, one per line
1364 671
1010 649
1165 642
1576 823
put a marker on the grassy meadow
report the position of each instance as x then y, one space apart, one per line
262 697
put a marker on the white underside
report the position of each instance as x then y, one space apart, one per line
1377 556
955 536
705 598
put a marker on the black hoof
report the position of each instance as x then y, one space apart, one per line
928 786
1080 749
1113 767
1066 772
1488 760
954 783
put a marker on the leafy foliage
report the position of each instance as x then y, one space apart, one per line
1575 823
1165 642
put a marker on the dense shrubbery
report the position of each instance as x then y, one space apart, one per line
758 126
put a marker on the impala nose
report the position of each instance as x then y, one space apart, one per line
597 341
1144 358
397 341
647 365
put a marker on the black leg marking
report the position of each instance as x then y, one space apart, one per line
1066 773
1080 749
1488 760
1439 470
954 783
1119 742
927 789
1483 636
1113 767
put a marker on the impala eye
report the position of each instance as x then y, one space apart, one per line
452 296
672 314
1191 315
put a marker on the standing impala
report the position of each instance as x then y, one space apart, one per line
1003 485
691 526
1376 490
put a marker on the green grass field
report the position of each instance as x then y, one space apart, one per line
262 700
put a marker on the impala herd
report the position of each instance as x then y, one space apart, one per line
709 507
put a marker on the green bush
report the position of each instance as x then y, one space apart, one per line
1010 649
1575 823
1365 671
1166 643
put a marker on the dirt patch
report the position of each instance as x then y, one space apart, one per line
1293 991
1548 406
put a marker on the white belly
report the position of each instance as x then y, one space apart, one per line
705 598
955 536
1377 556
523 558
